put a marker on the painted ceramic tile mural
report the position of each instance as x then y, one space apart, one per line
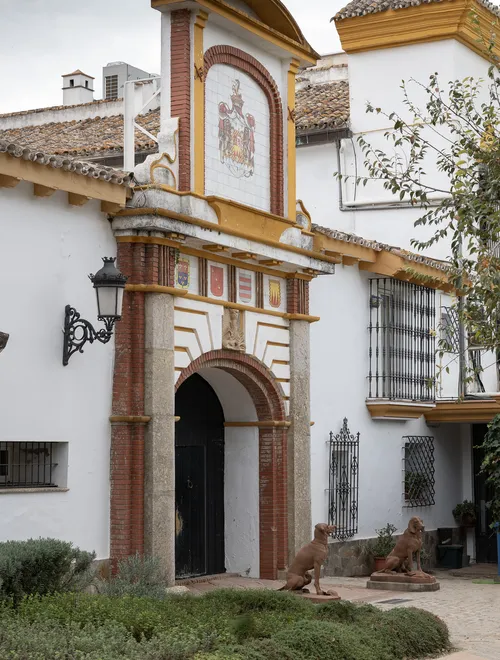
275 293
236 137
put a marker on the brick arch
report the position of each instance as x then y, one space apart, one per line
267 396
265 391
249 65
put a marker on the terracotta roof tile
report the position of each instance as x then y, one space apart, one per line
86 137
323 105
378 247
69 164
363 7
318 106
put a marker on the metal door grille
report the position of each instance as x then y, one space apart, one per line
418 463
344 483
402 341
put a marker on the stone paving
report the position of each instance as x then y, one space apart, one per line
471 611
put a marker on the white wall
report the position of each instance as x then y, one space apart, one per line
339 369
241 475
46 252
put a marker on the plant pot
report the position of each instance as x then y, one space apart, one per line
379 563
468 521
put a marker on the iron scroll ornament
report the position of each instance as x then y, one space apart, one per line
78 332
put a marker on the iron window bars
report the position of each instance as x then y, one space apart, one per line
343 489
27 465
418 463
402 341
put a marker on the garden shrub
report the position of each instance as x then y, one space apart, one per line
42 566
324 640
414 633
136 576
241 625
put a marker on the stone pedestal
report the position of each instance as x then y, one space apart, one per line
314 598
415 581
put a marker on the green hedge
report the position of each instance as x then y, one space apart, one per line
241 625
42 566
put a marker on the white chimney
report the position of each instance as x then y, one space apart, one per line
77 88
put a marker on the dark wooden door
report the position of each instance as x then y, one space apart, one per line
486 538
199 480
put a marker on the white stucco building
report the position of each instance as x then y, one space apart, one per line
253 325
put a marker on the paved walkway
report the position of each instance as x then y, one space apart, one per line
471 611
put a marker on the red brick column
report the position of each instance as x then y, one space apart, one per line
180 89
127 439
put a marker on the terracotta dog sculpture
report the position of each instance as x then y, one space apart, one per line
310 557
400 560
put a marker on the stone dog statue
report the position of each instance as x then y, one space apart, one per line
400 560
310 557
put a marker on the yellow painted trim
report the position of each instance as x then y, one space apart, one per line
129 419
227 230
257 27
291 158
7 181
464 411
397 409
303 317
199 103
261 425
419 24
60 179
232 262
393 265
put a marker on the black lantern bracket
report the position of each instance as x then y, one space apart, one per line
78 332
109 284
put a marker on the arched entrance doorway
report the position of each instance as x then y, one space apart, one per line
242 395
199 480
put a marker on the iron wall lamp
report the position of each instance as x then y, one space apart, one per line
109 284
4 338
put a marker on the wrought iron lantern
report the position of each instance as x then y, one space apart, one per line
109 284
4 338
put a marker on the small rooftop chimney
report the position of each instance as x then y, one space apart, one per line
77 88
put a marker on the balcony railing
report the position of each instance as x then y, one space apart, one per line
402 341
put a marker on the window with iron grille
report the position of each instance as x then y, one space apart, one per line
402 341
28 465
111 87
344 483
418 464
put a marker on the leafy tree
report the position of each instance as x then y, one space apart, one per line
491 466
458 131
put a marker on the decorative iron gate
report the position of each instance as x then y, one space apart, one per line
344 483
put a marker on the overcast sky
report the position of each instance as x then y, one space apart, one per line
42 39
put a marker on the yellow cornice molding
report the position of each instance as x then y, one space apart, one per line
450 19
302 51
474 411
398 410
49 178
394 265
229 230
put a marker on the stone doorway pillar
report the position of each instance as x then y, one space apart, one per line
159 454
299 440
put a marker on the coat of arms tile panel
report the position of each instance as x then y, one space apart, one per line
237 137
